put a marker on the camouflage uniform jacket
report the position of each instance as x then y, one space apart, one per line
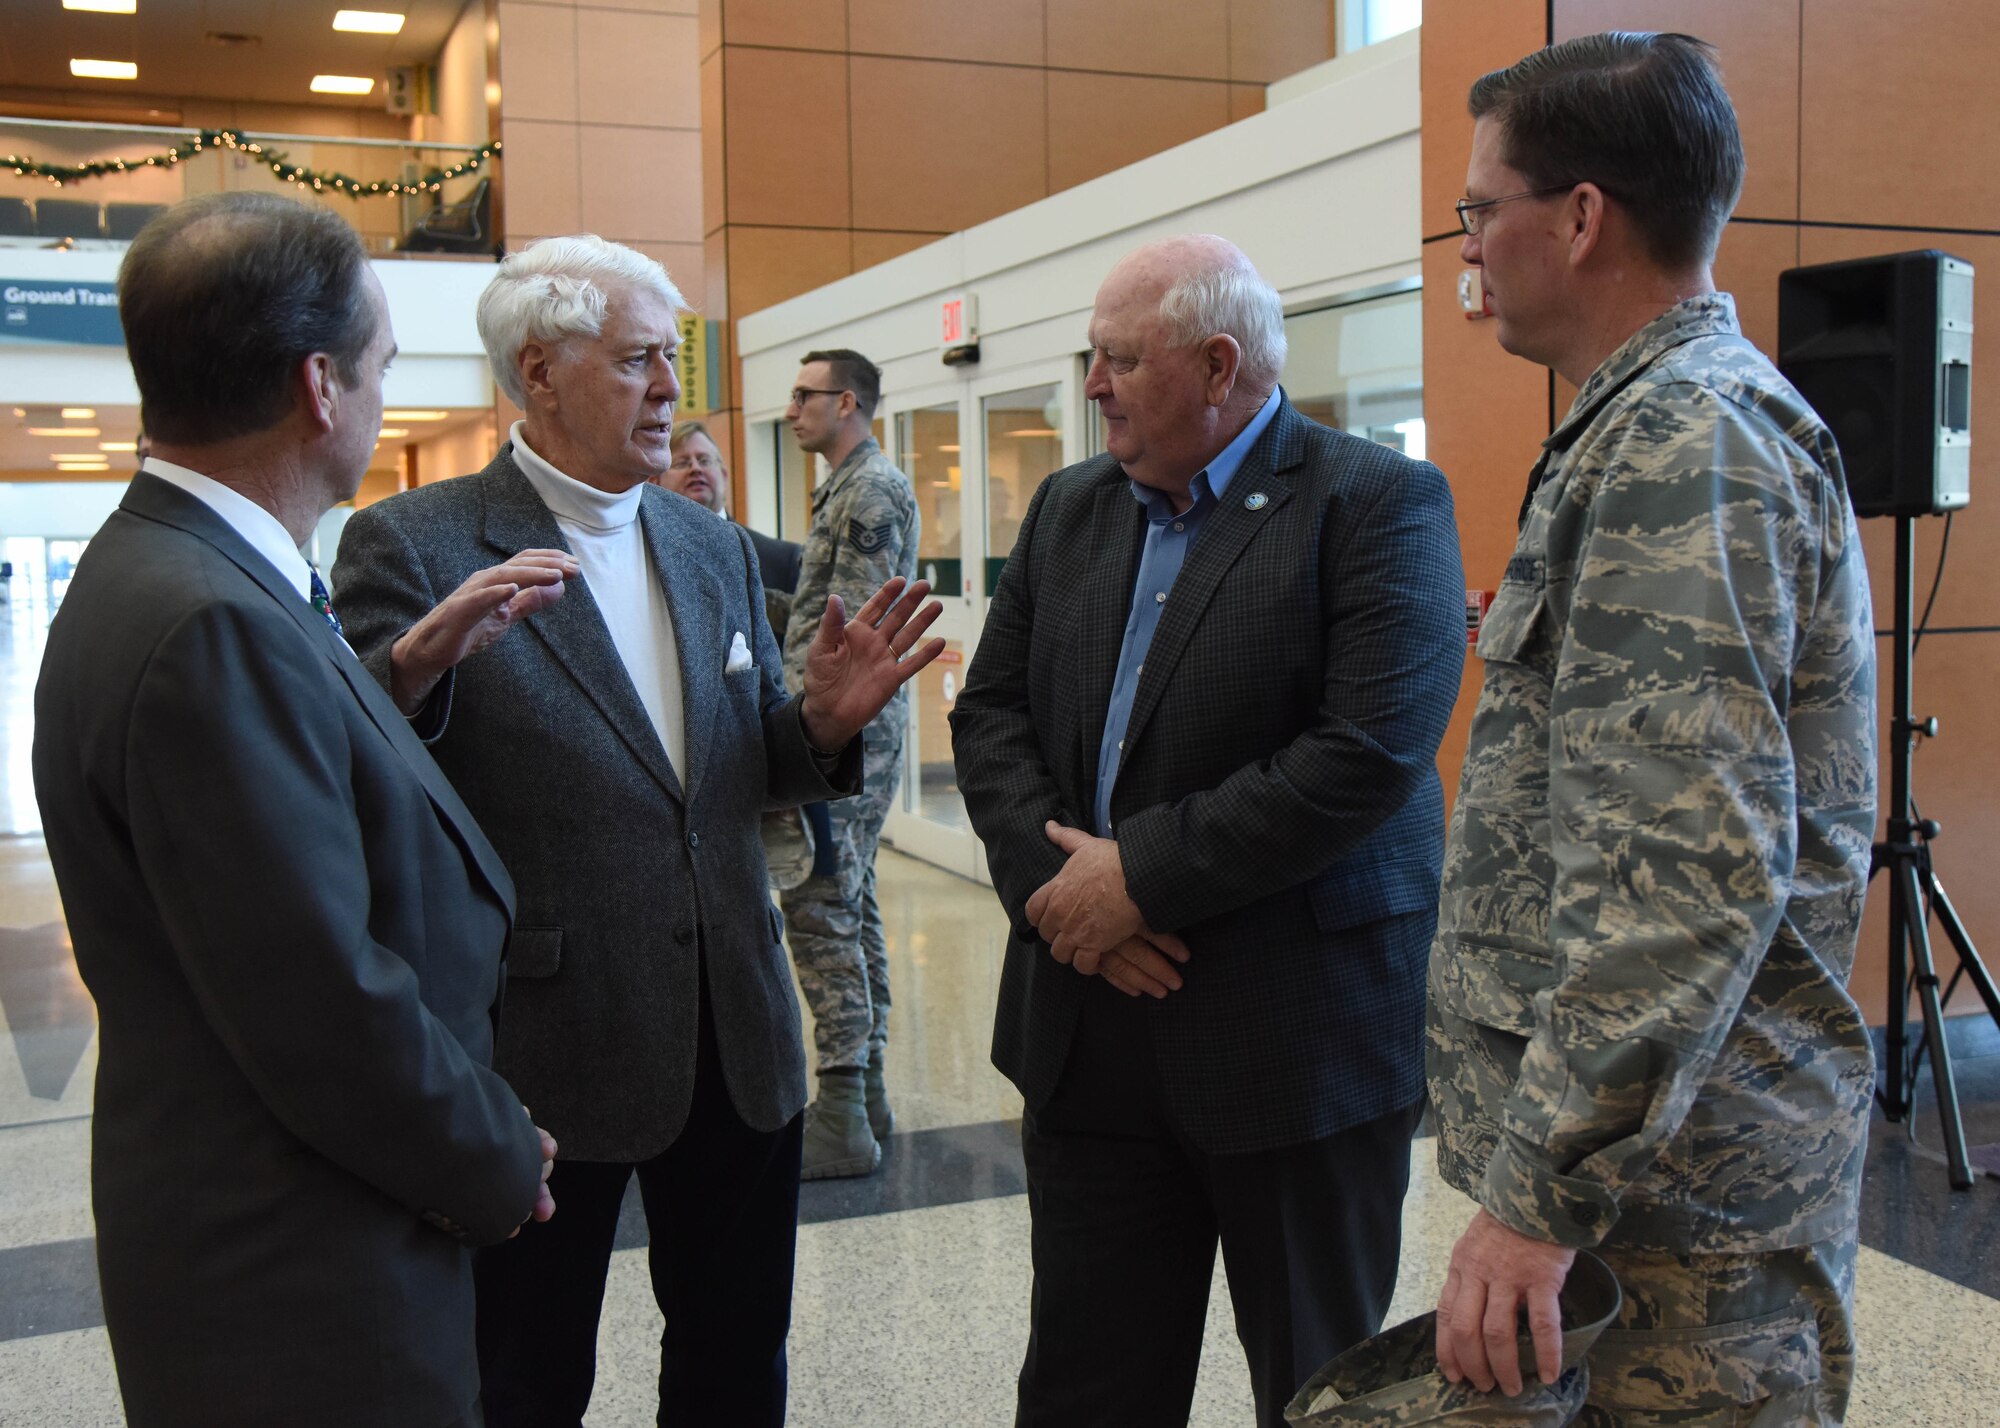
864 530
1653 882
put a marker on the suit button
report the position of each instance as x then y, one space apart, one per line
684 935
694 840
1585 1214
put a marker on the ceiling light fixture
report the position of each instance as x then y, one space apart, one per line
64 431
368 22
414 416
117 446
103 69
103 7
390 433
341 84
78 413
83 466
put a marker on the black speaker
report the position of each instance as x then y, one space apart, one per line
1882 348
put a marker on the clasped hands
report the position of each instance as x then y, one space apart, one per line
853 667
1091 923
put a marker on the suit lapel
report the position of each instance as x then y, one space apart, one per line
573 629
1229 529
160 500
701 644
1117 531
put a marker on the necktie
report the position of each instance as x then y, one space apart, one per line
323 602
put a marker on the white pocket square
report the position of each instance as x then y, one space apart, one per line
739 655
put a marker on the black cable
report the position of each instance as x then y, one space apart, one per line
1944 549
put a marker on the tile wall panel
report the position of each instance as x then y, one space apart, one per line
785 123
942 146
1134 37
993 31
1101 122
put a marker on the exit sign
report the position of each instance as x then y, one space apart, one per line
960 320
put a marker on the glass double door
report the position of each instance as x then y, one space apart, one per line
975 455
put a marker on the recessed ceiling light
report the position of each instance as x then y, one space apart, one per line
414 416
390 433
341 84
103 69
63 431
368 22
89 456
117 446
83 466
78 413
103 7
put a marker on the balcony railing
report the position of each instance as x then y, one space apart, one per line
74 184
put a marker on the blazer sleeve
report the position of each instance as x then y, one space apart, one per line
794 774
1392 650
381 589
1008 788
252 846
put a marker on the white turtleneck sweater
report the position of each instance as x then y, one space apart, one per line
605 537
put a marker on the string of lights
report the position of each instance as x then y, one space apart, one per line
228 139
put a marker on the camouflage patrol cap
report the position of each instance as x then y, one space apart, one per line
1393 1381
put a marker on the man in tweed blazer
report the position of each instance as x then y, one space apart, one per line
621 750
1198 739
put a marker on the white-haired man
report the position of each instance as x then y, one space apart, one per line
621 748
1199 741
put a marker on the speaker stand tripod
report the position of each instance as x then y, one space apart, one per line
1915 897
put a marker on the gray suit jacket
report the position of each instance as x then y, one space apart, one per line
631 886
293 929
1278 802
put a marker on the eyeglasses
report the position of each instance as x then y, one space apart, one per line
801 394
688 460
1470 213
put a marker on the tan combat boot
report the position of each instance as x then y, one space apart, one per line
838 1142
881 1119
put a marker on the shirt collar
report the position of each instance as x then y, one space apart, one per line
867 447
1213 479
256 525
570 499
1704 315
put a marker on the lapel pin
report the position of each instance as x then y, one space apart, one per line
1255 501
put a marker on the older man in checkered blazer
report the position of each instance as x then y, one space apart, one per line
1198 739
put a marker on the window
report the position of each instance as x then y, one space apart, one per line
1364 22
1359 367
1023 446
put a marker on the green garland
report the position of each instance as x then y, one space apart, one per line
318 182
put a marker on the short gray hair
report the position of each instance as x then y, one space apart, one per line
555 290
1235 301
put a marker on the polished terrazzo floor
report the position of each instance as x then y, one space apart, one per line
912 1296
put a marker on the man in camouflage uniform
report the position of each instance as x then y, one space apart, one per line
864 530
1640 1035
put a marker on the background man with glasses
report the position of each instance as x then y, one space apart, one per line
699 473
1641 1040
864 531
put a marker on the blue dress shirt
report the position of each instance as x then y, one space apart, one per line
1169 536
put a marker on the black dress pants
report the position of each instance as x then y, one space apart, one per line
1127 1214
722 1208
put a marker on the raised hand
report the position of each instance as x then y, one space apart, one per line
854 667
472 617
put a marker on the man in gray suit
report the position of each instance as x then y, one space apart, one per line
622 747
1199 741
290 923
